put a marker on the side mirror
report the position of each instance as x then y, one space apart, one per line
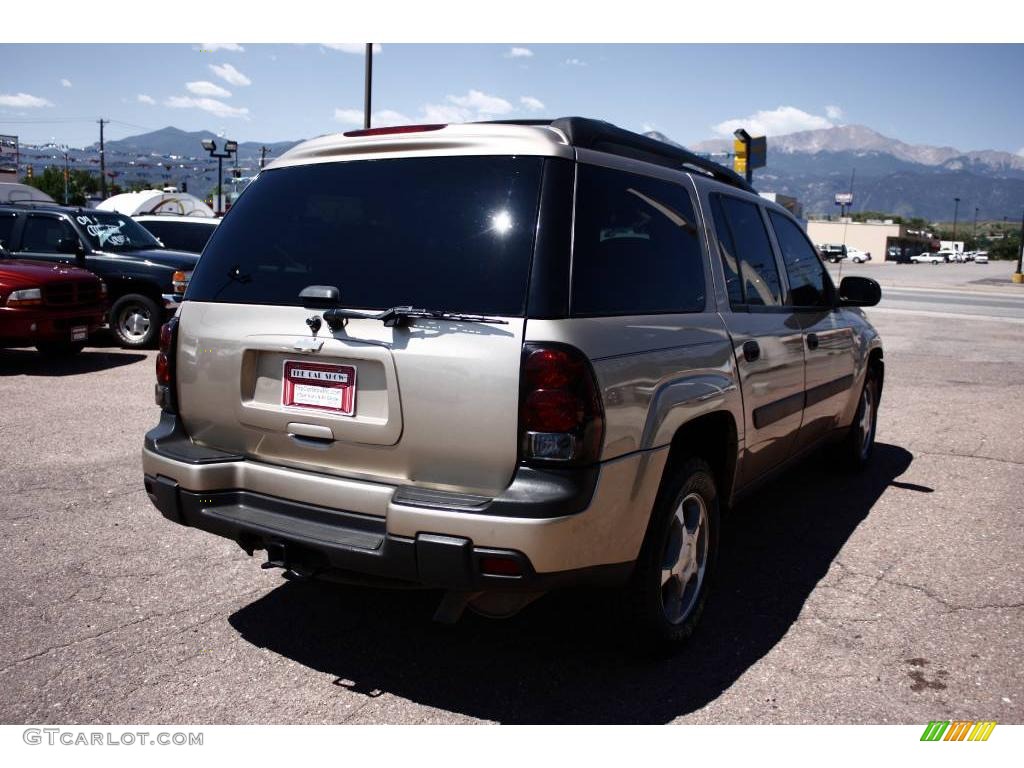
859 292
70 245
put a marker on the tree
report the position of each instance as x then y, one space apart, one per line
1006 248
81 184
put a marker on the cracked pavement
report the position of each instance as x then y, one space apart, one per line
891 597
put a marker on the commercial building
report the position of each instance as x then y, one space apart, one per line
791 204
884 240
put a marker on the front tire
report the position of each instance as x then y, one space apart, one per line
670 584
135 320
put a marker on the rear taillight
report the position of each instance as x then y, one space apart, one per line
179 282
164 393
561 420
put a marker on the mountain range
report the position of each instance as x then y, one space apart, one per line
890 175
174 141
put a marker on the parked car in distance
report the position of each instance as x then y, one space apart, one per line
537 361
928 258
833 253
947 256
145 280
856 255
51 307
980 257
181 233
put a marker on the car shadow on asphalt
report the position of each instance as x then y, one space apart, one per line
29 362
566 658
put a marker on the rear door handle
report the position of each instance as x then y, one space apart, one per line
751 351
812 341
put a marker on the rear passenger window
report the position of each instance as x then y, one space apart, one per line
6 228
808 285
635 247
727 248
43 233
747 255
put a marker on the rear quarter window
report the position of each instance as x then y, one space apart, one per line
635 246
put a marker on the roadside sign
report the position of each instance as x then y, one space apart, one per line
844 198
753 156
758 152
9 154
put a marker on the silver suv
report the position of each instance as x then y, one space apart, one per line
499 358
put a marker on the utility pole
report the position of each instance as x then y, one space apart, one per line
1020 248
263 156
974 232
103 164
369 85
956 210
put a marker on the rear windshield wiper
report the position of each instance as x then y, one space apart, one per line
400 316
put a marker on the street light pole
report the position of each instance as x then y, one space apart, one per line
956 210
369 86
230 147
974 232
1020 246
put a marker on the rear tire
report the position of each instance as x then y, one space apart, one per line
859 444
60 348
135 320
670 583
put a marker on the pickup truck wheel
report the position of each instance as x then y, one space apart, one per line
60 348
136 320
860 442
670 584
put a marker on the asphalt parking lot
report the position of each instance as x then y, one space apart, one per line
895 596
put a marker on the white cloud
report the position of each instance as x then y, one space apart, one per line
474 105
773 122
144 98
382 117
234 47
482 103
206 88
519 53
832 112
229 74
65 82
354 48
446 113
576 62
390 117
214 107
349 116
23 100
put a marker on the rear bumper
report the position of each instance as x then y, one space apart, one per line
558 528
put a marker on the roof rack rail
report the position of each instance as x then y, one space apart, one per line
602 136
32 203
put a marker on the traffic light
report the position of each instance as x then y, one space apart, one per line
28 171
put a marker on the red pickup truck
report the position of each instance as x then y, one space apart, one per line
53 307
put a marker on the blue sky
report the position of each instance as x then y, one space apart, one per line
965 96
